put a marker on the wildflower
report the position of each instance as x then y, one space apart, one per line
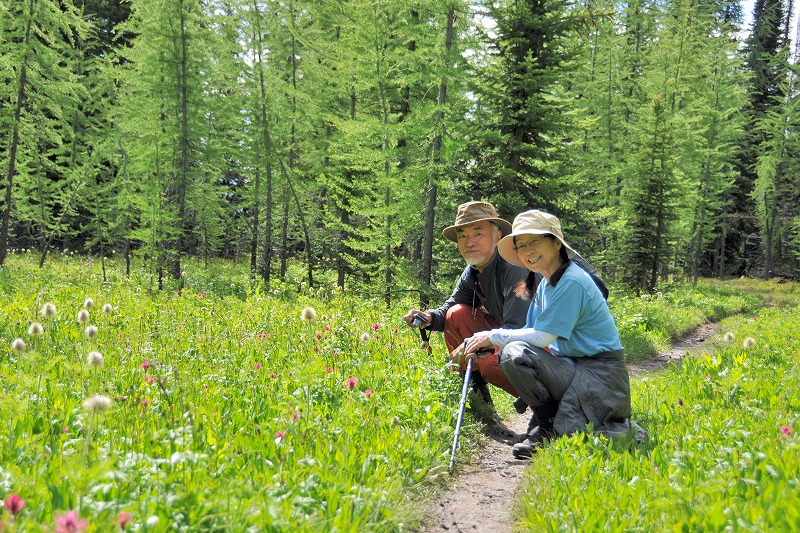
145 402
95 359
351 382
69 523
272 374
749 342
35 329
91 332
88 303
728 337
108 309
258 366
146 364
786 430
48 310
14 504
368 393
201 294
319 336
326 327
83 316
150 380
308 314
262 335
329 370
376 326
123 519
97 403
365 337
680 401
18 345
395 330
280 434
296 416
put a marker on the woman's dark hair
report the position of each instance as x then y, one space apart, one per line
526 289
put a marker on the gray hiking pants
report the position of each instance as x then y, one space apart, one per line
538 376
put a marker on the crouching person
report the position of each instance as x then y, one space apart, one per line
583 378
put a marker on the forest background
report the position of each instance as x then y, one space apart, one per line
344 133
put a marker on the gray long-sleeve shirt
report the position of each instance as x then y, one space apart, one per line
492 289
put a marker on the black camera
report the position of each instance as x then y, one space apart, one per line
418 320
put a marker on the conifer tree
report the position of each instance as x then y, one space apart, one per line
39 98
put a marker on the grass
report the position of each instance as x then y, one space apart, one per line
230 413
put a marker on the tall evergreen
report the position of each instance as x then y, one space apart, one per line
39 108
765 61
517 114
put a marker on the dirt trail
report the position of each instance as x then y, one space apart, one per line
481 498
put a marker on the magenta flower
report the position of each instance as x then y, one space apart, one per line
272 374
280 434
146 364
329 370
368 393
145 402
69 523
326 327
123 519
14 504
201 294
258 366
787 430
351 382
262 335
150 380
319 336
376 326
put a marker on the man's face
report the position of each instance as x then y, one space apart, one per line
477 243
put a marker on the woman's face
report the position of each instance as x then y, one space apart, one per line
539 253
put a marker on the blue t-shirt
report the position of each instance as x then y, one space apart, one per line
576 312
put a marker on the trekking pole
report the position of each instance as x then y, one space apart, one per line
464 391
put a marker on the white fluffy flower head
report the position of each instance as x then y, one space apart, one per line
97 403
83 316
95 359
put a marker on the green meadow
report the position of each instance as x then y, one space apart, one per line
223 406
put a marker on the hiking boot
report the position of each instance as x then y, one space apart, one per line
526 448
483 390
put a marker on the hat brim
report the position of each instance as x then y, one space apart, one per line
507 251
450 232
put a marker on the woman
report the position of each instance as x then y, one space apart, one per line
582 379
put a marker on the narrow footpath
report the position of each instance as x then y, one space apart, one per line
481 498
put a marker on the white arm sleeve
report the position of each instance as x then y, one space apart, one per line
501 337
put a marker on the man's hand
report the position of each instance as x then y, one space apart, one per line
409 318
456 356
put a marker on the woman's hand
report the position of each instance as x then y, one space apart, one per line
477 342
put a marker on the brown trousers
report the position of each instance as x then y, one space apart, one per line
463 321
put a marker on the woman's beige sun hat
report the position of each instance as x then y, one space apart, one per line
533 222
471 212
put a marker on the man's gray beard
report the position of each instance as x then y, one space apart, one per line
473 261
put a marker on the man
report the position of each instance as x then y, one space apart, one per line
483 297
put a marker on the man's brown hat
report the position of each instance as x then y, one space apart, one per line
471 212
